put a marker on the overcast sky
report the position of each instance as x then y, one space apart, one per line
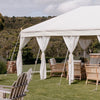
41 7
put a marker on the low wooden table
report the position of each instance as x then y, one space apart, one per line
11 67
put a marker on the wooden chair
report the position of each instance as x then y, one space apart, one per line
29 77
77 69
92 72
56 68
17 91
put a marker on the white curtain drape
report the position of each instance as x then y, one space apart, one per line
23 42
71 43
84 43
98 37
43 42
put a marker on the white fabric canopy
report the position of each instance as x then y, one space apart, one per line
83 21
84 43
43 42
71 43
23 42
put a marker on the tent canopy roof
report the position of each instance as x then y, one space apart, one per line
83 21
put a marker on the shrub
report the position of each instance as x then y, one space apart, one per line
32 60
3 68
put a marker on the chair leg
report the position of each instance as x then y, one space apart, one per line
86 81
67 77
80 77
2 95
64 74
97 82
50 74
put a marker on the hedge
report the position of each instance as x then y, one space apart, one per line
32 61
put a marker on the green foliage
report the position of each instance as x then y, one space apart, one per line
84 60
56 47
3 67
22 22
27 56
94 46
1 22
28 59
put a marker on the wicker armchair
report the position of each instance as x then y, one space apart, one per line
56 68
77 69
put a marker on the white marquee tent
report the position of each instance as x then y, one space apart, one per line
80 22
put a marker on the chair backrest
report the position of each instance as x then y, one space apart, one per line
18 88
94 58
29 77
52 61
92 71
77 67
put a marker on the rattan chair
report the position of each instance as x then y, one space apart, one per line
92 72
77 69
56 68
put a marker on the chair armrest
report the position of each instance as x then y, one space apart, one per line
59 64
5 86
3 90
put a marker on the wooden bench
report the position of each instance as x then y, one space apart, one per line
56 68
92 72
18 89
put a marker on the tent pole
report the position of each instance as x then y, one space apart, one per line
13 53
36 60
14 50
63 67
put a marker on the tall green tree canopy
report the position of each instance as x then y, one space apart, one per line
1 22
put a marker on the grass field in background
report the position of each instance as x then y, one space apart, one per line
50 89
34 67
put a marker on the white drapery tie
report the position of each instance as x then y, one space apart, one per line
84 43
71 43
43 42
43 69
71 67
23 42
98 38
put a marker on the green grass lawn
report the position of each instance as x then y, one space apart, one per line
50 89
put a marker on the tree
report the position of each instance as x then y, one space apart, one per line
1 22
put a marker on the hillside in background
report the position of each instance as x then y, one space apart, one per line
12 28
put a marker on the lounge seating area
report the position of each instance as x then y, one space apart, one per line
88 71
79 69
50 89
92 73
